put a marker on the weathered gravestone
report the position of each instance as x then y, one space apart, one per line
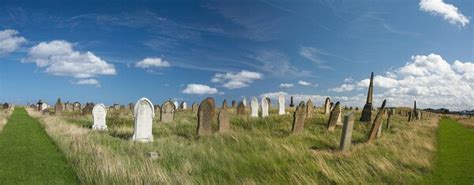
223 118
58 107
377 123
327 106
67 106
88 108
194 107
143 115
205 117
254 107
157 111
331 106
334 117
167 112
366 115
5 106
309 108
339 118
389 121
241 109
99 113
131 106
234 104
281 104
346 137
265 107
298 118
76 107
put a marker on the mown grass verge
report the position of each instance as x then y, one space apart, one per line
454 160
28 156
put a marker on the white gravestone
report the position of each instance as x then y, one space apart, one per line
254 107
281 105
244 101
176 104
265 107
99 112
185 105
143 113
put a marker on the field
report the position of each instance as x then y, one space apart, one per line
28 156
257 150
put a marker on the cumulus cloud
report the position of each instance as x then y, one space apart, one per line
152 63
199 89
286 85
448 11
304 83
429 79
10 41
236 80
90 81
59 58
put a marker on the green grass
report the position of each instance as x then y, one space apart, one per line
28 155
455 155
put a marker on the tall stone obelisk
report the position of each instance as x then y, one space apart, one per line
367 111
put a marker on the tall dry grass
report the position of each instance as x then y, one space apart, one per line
4 115
258 150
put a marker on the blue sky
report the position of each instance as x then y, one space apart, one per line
119 51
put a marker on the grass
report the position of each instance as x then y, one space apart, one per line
28 156
4 115
259 150
454 162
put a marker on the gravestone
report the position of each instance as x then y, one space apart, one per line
327 106
244 101
281 105
205 117
309 108
366 115
184 105
67 106
194 107
223 119
389 121
40 105
176 104
291 102
241 109
58 107
5 106
88 108
234 104
143 115
157 109
131 106
265 107
76 107
298 118
377 123
331 106
254 107
334 117
117 107
346 137
167 112
339 118
99 113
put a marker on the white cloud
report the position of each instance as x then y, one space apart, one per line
152 62
199 89
59 58
10 41
278 64
304 83
89 81
429 79
286 85
448 11
236 80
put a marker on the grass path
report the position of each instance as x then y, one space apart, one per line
455 156
28 155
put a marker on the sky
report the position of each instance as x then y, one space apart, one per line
119 51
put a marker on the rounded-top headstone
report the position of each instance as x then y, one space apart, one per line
99 113
206 115
143 114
